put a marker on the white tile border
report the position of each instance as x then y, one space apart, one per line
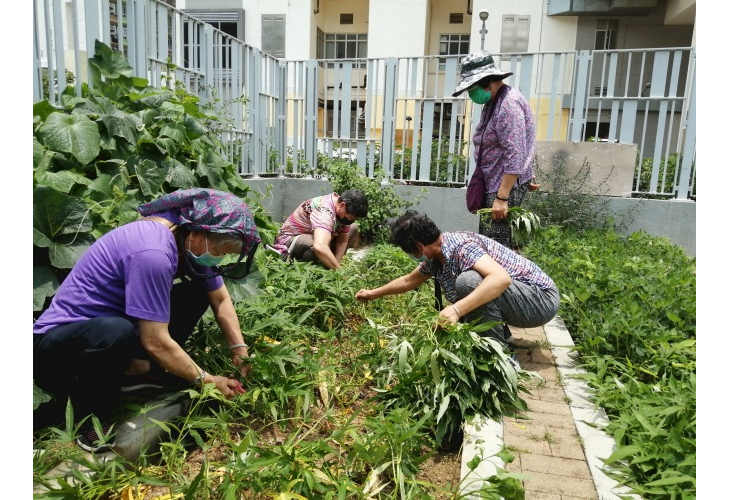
485 437
589 420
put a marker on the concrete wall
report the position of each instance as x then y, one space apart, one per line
675 220
610 168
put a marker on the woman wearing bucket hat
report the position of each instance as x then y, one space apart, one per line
504 142
120 319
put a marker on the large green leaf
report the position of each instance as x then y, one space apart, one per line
45 285
212 170
71 133
178 175
67 250
56 214
121 124
38 152
150 177
63 181
174 131
108 63
103 187
43 109
39 396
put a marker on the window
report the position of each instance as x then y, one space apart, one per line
452 45
343 46
515 34
346 19
456 18
606 34
273 34
320 44
229 22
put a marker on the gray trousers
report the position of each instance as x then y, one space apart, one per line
520 305
301 247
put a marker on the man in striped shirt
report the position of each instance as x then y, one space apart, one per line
480 277
323 228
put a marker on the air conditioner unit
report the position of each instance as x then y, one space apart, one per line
113 9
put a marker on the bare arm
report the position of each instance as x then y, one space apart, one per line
156 340
495 282
405 283
227 319
321 247
499 207
340 246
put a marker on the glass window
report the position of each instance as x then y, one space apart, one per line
606 34
345 46
452 45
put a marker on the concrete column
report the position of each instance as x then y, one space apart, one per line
398 29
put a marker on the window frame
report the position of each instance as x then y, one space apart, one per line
463 38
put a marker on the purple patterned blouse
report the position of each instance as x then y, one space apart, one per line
508 143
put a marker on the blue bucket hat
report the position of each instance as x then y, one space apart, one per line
476 66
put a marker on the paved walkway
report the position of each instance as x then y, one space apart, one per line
553 443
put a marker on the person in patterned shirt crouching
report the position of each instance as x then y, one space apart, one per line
480 277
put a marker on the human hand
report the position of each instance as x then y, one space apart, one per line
240 360
449 314
229 387
499 209
364 295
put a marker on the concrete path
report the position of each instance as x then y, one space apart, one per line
555 444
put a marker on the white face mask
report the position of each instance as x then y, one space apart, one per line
422 258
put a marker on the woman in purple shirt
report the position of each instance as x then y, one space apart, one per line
481 278
121 317
504 142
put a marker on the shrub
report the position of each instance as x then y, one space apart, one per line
572 202
383 202
121 143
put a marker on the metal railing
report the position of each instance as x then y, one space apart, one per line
287 117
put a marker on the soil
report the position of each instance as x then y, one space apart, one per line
442 470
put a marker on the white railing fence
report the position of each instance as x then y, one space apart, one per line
287 117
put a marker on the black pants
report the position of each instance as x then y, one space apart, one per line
500 230
85 361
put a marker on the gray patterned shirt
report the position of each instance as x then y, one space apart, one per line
462 249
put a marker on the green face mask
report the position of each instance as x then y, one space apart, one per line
479 95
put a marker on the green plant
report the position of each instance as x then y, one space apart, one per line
666 180
631 301
70 80
121 143
572 201
383 202
524 224
447 167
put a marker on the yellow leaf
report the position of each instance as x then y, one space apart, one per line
133 492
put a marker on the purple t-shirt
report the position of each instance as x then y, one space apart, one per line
128 272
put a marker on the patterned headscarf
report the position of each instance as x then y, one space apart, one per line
209 210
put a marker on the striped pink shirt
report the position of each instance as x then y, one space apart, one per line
315 213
